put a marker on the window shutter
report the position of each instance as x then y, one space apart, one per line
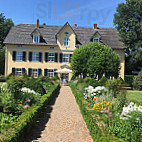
39 72
70 57
61 56
14 56
24 56
30 56
13 71
55 73
46 56
40 57
29 72
23 70
45 72
56 57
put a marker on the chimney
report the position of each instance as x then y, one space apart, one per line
95 26
75 25
37 23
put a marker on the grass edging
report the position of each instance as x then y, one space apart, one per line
27 119
94 130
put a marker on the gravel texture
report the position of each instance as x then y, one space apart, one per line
63 122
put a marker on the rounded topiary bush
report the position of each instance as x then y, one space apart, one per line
137 82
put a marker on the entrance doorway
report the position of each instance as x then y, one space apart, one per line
64 78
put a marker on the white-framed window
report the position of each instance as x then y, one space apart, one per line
66 41
50 72
34 72
51 57
36 38
66 58
35 56
18 71
19 56
96 39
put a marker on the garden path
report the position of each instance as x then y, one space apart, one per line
64 123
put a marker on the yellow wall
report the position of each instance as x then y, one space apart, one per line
9 63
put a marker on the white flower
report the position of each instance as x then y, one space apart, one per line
28 90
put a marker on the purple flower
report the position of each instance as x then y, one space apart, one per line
28 100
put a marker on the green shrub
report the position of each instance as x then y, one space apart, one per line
87 79
9 76
15 84
114 86
93 82
23 124
73 77
129 80
2 78
36 84
137 82
103 81
80 80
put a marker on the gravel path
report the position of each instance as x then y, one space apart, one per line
65 123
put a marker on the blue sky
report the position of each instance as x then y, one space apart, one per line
57 12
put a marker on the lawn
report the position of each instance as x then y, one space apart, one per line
135 96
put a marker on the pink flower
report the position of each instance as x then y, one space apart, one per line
26 106
28 100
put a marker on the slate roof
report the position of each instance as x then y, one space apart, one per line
21 34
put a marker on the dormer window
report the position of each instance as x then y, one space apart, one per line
36 38
96 39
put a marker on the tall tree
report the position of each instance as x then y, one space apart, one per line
128 21
5 25
95 59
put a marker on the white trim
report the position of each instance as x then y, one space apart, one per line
66 57
18 71
96 38
51 56
66 41
35 73
36 38
35 58
51 74
19 55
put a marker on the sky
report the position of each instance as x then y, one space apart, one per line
84 13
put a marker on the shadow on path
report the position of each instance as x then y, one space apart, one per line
37 129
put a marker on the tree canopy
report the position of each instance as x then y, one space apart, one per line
128 21
95 59
5 25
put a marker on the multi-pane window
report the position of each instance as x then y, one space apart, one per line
96 39
66 58
51 57
35 56
36 38
51 72
66 41
18 71
34 72
19 56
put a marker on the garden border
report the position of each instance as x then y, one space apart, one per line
23 124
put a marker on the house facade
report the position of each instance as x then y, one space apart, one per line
43 49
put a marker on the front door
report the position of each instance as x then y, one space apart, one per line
64 77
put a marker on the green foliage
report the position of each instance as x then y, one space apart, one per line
95 58
137 82
2 78
129 130
22 125
80 80
103 81
5 121
129 80
36 84
93 82
73 77
15 84
9 76
114 86
5 25
87 79
127 20
97 134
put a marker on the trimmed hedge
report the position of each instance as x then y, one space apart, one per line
23 124
97 134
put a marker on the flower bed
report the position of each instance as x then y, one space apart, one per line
113 111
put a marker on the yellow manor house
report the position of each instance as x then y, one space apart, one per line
43 49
